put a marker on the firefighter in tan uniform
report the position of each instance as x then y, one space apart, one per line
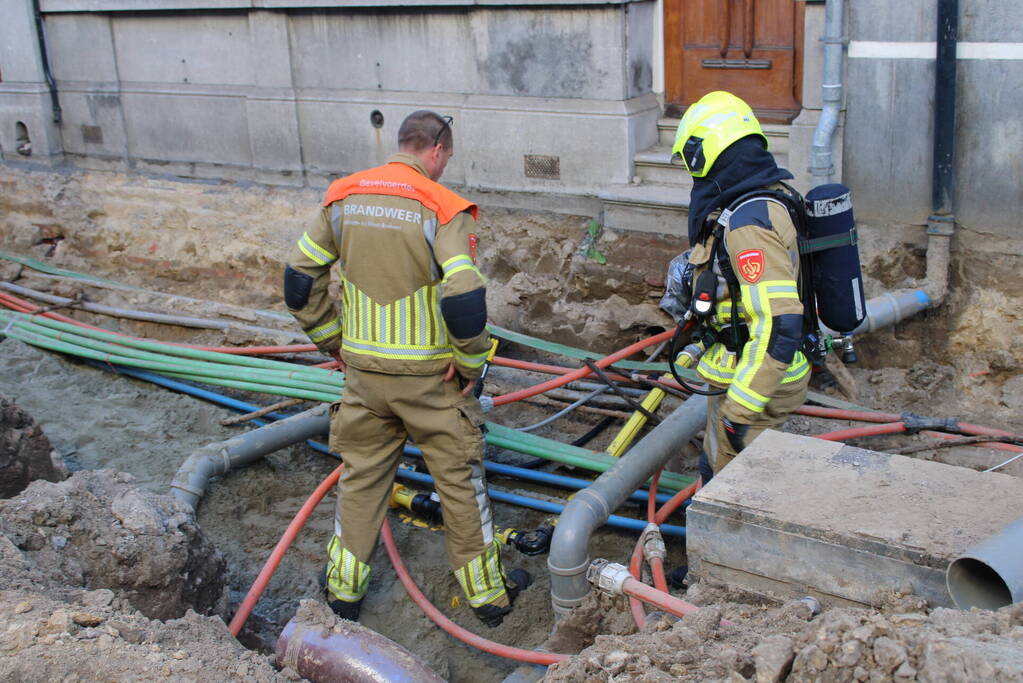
411 337
756 357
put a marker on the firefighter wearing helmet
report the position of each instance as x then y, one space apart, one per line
755 327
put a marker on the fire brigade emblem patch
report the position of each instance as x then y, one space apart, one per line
473 241
751 264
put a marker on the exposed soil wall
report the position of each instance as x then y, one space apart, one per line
228 242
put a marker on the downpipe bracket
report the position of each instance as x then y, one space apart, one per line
941 226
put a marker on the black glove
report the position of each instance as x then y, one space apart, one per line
736 434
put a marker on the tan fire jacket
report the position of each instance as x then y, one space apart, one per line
761 242
397 260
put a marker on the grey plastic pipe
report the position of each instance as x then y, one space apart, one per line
588 510
821 166
890 308
132 314
990 574
354 654
215 459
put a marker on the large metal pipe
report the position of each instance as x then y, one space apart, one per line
215 459
569 556
347 652
821 166
990 574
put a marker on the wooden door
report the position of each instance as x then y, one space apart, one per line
752 48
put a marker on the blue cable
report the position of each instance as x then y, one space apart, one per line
521 472
546 506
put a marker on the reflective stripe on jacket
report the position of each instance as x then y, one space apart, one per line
400 242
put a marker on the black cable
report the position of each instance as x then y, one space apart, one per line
673 353
633 403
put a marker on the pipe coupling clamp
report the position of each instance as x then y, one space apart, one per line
653 543
608 576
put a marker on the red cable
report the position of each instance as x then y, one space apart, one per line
453 629
259 585
676 501
581 372
869 430
665 601
635 569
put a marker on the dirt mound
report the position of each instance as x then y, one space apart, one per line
97 529
788 643
89 638
25 452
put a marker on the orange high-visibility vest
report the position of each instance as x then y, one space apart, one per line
401 180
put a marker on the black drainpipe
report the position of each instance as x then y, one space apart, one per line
50 80
945 112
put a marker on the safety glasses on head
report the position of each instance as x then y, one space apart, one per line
709 126
447 122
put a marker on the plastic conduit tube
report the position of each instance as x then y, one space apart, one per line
869 430
22 305
140 348
453 629
626 523
581 372
241 406
83 346
656 563
664 601
259 585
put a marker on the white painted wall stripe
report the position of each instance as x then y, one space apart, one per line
876 49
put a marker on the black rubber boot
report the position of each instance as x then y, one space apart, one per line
492 615
677 577
342 608
706 471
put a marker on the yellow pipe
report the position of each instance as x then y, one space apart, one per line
687 358
630 430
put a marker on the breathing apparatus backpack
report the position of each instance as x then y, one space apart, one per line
830 281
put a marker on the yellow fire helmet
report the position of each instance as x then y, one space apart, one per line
717 120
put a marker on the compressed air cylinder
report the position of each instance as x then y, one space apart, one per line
837 279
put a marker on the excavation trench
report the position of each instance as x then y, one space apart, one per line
949 362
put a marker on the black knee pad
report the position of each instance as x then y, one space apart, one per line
296 288
465 314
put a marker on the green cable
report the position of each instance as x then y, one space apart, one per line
566 454
157 361
34 264
66 347
173 350
275 390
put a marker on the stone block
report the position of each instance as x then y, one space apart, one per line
794 515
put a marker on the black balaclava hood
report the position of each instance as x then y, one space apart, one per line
743 167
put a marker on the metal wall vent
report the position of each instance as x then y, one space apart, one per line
541 166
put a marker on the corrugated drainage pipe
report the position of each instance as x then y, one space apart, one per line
569 556
990 574
216 459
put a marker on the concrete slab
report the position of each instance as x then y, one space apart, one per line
793 515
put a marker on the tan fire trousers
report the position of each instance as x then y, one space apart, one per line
369 426
715 444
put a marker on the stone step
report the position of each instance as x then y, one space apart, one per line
646 207
654 165
777 135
